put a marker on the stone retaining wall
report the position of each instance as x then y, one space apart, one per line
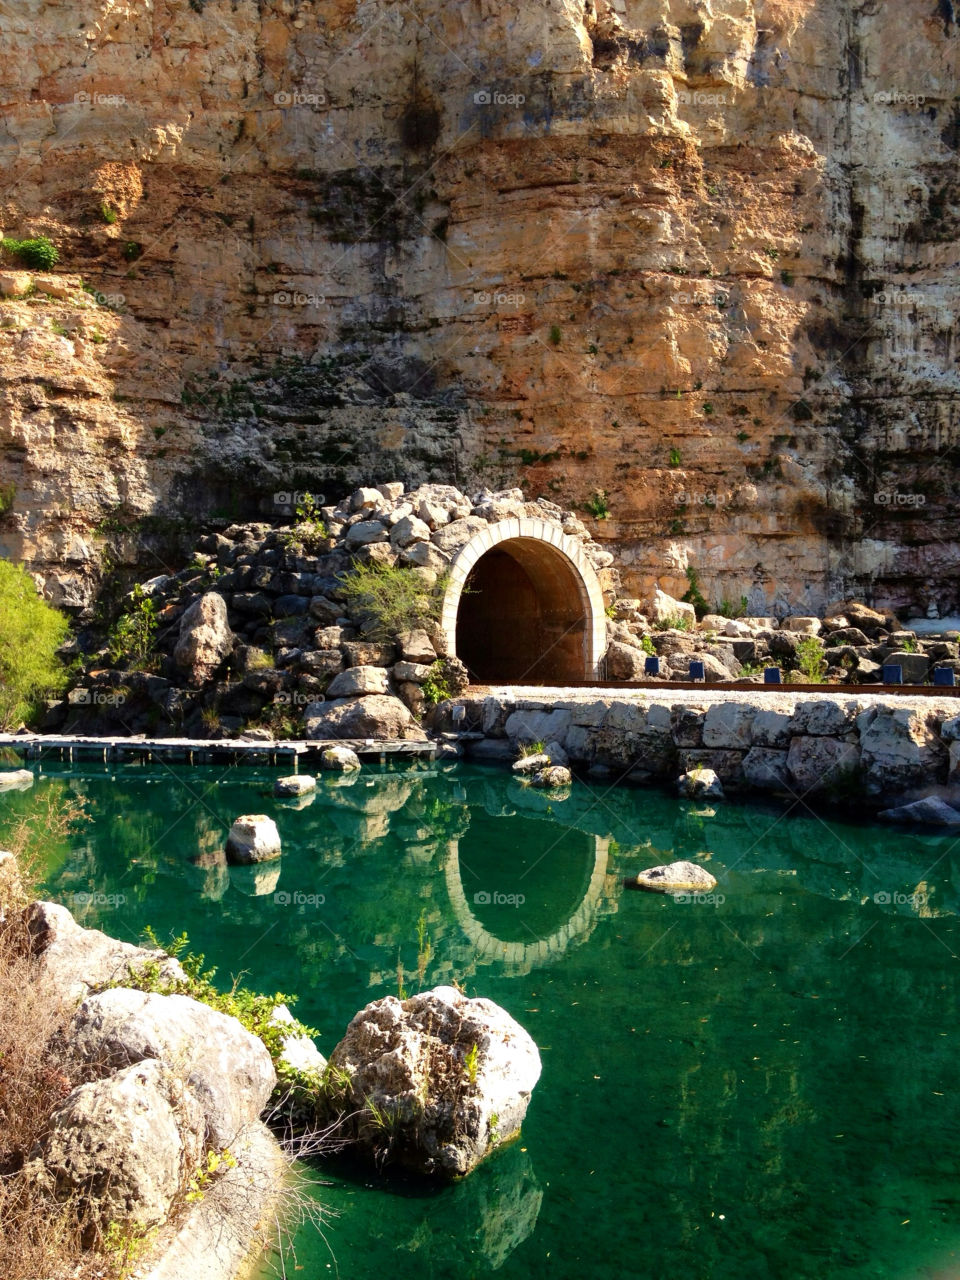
873 748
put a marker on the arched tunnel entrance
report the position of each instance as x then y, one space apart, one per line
524 604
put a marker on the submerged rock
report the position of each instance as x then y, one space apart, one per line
126 1146
674 877
15 780
931 811
436 1082
253 838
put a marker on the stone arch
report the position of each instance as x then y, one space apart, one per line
533 608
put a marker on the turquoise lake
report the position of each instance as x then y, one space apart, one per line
759 1084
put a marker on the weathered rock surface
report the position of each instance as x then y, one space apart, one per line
377 716
556 775
74 960
253 837
411 1061
700 784
15 779
205 638
339 759
228 1069
930 811
674 877
296 784
126 1145
359 681
11 888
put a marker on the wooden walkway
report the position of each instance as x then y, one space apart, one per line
43 746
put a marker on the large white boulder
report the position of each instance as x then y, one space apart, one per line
358 682
227 1067
381 717
205 638
674 877
74 960
436 1081
15 780
700 784
253 838
125 1146
665 608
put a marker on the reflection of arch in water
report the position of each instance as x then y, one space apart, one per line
533 605
521 957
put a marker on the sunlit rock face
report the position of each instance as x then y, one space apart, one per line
697 260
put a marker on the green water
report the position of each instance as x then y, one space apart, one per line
758 1086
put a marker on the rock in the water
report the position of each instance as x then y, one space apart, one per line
73 960
555 775
15 779
531 763
674 877
205 638
437 1081
381 717
227 1067
126 1146
343 759
700 784
359 681
253 838
297 784
931 810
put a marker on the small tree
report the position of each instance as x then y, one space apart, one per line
31 631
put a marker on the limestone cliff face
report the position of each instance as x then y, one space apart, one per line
696 255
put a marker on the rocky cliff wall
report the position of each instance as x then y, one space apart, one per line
693 263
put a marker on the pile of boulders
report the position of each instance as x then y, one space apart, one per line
857 641
259 629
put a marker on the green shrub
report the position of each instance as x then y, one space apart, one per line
107 214
8 493
727 609
555 335
391 599
31 631
39 252
435 688
597 505
309 531
675 459
132 635
693 595
810 659
678 622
